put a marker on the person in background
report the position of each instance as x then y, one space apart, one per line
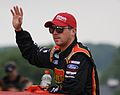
46 80
12 81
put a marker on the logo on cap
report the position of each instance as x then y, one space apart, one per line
59 17
62 19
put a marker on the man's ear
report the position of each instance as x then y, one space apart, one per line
73 32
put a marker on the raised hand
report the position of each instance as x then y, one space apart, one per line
17 17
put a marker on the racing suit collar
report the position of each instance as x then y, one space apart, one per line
66 52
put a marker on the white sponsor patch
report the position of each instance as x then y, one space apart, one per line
75 62
59 17
66 76
45 51
71 73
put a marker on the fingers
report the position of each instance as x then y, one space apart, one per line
17 11
12 12
21 11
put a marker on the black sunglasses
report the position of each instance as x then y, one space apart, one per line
59 29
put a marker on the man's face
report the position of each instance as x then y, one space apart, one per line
12 73
63 38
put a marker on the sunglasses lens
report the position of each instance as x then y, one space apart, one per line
59 29
51 30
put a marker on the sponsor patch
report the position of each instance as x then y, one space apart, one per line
55 62
56 56
72 66
59 75
42 49
75 62
45 51
61 18
66 76
71 73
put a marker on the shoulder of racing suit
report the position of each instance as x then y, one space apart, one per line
78 48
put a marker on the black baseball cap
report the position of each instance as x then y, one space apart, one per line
11 66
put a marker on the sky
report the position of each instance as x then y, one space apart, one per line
98 21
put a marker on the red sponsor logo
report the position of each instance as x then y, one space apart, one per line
59 75
59 72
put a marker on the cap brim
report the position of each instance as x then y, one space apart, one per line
56 23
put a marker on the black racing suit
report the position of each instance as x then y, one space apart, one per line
76 76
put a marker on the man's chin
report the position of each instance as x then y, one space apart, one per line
57 43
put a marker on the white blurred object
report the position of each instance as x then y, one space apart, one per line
46 79
112 82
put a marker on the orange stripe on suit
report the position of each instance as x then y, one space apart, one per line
93 83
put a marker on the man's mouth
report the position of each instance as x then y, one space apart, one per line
56 39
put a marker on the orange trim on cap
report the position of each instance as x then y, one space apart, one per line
93 83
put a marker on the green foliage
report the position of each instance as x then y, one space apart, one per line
103 54
117 92
24 68
113 70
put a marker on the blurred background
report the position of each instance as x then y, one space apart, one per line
98 28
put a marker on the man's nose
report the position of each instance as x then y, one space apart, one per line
54 32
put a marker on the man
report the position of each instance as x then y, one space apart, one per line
12 81
75 71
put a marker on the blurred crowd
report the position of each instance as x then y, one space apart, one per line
13 81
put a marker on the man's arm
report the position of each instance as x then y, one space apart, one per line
34 54
84 81
38 56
